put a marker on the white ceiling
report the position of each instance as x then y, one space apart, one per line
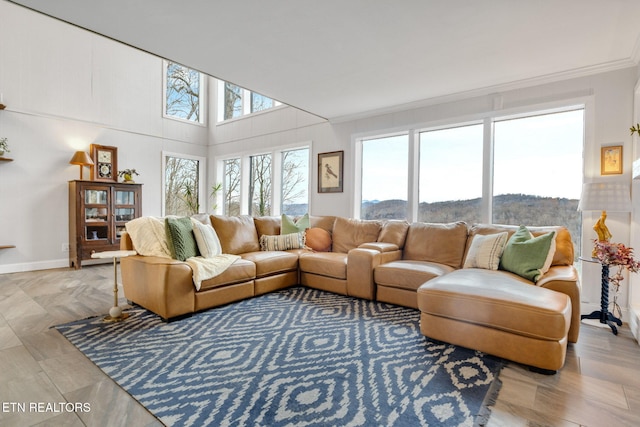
349 58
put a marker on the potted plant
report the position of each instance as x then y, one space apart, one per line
4 147
127 175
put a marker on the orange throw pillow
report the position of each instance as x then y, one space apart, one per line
318 239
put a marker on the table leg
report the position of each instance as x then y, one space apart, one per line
115 313
603 315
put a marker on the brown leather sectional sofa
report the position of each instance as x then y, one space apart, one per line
388 261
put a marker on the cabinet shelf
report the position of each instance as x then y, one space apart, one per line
97 214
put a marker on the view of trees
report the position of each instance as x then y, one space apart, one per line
293 189
183 92
181 186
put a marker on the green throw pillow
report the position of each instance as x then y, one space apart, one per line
528 256
180 238
288 226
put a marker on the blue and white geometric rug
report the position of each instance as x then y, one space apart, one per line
298 357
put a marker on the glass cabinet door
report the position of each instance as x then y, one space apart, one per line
95 197
125 197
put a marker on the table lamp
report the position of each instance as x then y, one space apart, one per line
82 159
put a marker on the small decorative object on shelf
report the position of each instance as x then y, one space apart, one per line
617 255
127 175
4 147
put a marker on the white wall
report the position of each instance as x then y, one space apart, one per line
66 88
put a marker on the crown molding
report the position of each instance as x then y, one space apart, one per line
496 89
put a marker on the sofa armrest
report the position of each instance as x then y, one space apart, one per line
360 265
161 285
564 278
380 246
126 244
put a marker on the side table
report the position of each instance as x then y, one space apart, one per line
115 313
604 317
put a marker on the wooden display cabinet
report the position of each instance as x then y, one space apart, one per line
98 212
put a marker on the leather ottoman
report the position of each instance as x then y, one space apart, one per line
499 314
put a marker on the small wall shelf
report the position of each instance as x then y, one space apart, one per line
6 246
5 159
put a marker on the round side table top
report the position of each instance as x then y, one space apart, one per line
113 254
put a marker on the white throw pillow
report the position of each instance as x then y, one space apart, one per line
148 236
207 239
486 250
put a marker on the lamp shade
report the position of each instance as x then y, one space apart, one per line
81 158
605 196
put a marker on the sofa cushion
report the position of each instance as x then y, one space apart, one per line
269 225
441 243
509 304
318 239
350 233
289 226
528 256
180 238
394 232
485 251
408 275
282 242
237 234
239 272
331 264
269 263
206 238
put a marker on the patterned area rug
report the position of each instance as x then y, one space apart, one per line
298 357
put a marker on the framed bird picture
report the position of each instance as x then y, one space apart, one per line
330 166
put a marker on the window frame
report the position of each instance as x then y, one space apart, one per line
276 175
487 119
202 97
202 183
246 104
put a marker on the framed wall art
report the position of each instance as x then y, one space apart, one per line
611 160
330 172
105 163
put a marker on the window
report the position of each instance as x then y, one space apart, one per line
260 186
183 89
450 185
231 187
232 101
384 177
538 170
260 102
183 184
266 183
235 101
508 170
294 192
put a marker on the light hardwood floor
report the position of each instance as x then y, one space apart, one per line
599 385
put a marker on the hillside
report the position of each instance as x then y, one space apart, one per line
513 209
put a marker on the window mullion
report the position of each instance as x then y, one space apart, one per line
487 171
